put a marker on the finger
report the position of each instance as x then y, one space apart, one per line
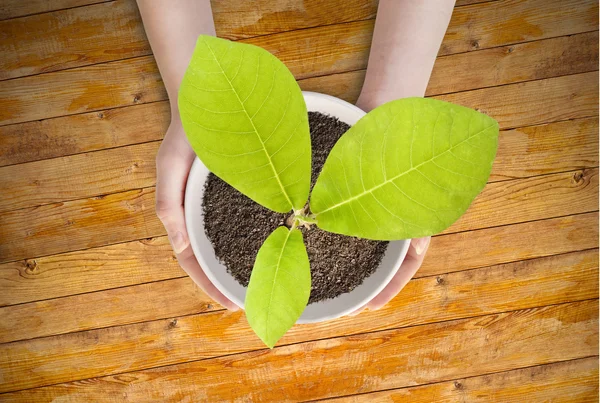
357 311
171 178
187 260
408 268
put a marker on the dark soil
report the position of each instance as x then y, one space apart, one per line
237 227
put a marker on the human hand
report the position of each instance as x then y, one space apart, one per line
412 262
173 164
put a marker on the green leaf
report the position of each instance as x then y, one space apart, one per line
409 168
279 285
246 119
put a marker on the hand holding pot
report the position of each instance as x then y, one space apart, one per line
173 163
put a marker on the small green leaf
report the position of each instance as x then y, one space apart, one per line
409 168
246 119
279 285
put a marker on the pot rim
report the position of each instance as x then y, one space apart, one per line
226 284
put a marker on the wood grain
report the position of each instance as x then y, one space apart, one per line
111 31
78 176
512 21
50 138
529 199
111 128
555 279
513 105
308 53
71 38
562 382
88 270
19 8
79 224
136 262
308 370
79 90
548 148
525 152
122 217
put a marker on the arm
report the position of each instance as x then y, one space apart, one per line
406 41
172 28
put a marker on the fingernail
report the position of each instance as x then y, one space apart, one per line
178 242
421 245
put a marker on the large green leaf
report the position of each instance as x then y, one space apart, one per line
246 119
408 168
279 285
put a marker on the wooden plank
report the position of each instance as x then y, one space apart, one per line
78 176
89 270
542 101
110 128
85 89
144 261
560 98
312 370
50 138
122 217
71 38
308 53
81 36
512 21
562 382
515 63
80 224
554 279
509 202
554 147
530 151
509 243
20 8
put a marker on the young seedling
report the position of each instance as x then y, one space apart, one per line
409 168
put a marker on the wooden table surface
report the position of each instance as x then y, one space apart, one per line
93 306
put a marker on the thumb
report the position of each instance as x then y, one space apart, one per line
171 179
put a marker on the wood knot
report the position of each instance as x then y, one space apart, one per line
475 44
578 177
31 266
458 385
100 115
209 306
510 49
137 98
440 280
173 324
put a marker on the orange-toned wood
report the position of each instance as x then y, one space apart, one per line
534 198
534 102
111 128
78 176
110 31
79 224
562 382
19 8
71 38
554 279
61 136
313 370
544 149
308 53
122 217
90 270
91 88
512 21
136 262
530 151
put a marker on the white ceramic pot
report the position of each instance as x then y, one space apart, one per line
217 273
